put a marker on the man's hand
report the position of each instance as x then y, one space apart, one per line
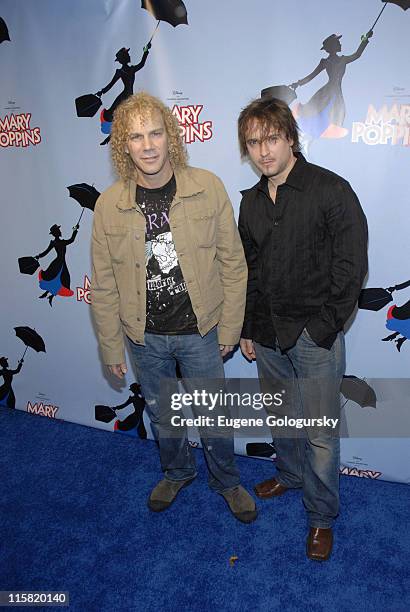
247 348
225 349
118 370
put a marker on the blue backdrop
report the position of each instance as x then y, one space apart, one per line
54 52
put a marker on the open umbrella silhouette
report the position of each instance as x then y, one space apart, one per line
358 391
4 31
30 338
172 11
86 195
404 4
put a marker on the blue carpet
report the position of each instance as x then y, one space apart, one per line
74 518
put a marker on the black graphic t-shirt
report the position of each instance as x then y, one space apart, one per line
169 308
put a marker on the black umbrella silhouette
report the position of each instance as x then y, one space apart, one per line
4 31
172 11
28 265
31 339
359 391
86 195
404 4
87 105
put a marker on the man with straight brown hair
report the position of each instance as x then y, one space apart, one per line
305 240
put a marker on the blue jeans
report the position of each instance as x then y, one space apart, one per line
311 377
198 358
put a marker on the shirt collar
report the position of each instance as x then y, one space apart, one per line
296 179
187 186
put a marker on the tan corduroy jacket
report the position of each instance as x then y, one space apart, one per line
209 251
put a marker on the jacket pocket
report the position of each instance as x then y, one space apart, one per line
118 244
203 227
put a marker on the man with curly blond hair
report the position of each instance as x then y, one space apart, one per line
169 272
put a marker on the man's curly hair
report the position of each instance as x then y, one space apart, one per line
145 105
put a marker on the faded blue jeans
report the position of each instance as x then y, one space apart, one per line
198 358
309 458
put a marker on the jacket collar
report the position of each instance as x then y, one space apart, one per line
187 186
296 178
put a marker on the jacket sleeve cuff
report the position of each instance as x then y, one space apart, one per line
247 330
227 337
111 357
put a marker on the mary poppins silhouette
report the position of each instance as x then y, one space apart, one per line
7 397
55 280
135 419
323 115
127 75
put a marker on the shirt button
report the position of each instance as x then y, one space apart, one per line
137 236
276 223
138 319
138 292
137 265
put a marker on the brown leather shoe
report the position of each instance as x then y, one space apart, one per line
269 488
319 544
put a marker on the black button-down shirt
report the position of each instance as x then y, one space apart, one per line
306 255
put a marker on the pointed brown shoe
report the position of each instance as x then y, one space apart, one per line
269 488
319 544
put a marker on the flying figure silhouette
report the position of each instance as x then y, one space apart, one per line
323 115
126 74
7 397
55 280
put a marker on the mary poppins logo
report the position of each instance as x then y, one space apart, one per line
360 473
84 293
191 127
384 126
47 410
15 131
